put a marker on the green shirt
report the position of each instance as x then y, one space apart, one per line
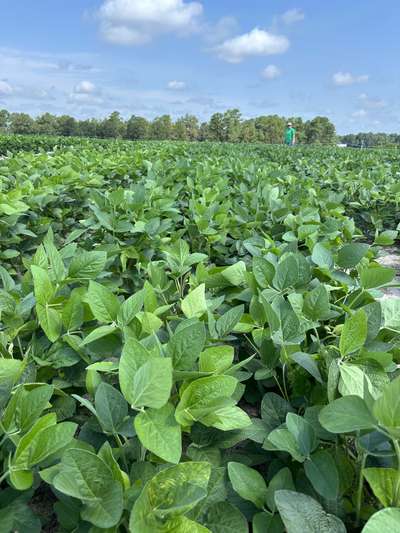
289 135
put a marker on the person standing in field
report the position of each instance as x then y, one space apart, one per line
290 135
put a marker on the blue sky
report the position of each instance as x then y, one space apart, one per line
149 57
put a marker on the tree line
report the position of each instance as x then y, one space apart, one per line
369 139
223 127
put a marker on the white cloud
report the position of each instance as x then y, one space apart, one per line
360 113
5 88
372 103
176 85
271 72
255 43
134 22
292 16
85 87
346 78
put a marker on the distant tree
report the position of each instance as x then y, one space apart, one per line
22 123
320 130
248 132
112 127
46 124
270 129
137 128
88 128
186 128
231 121
215 128
161 128
4 120
67 126
203 132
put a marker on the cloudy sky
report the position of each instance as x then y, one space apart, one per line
149 57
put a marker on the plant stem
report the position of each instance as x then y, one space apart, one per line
3 477
284 381
121 449
397 488
360 488
142 453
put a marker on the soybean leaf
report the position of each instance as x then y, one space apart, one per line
300 512
351 254
383 484
384 520
111 407
322 472
102 302
85 476
222 517
346 414
159 432
248 483
87 265
194 304
354 333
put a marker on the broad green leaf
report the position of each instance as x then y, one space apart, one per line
222 517
303 433
50 321
203 393
111 407
263 522
351 254
386 238
387 408
391 313
72 312
85 476
102 302
384 521
228 320
383 484
248 483
346 414
159 432
186 344
274 409
316 303
300 512
216 359
169 495
31 404
10 370
98 333
282 480
376 277
43 288
227 418
282 439
322 257
134 355
308 362
286 273
152 383
194 304
130 308
235 274
354 333
322 472
263 271
87 265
